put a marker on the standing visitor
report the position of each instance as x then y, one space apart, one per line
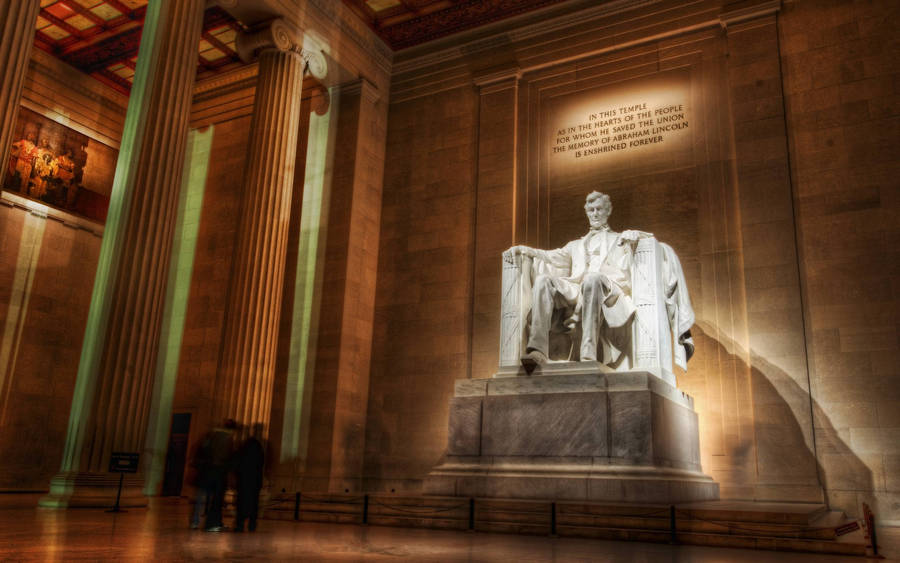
249 465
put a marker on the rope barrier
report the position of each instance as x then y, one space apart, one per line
786 528
354 500
781 530
664 511
420 509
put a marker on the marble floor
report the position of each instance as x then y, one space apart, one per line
160 533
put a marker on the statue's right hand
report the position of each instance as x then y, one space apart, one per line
518 250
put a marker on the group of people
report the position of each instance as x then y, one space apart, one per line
220 455
37 170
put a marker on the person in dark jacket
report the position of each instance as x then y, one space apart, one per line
219 448
198 476
249 463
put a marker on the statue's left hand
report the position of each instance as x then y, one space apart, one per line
633 236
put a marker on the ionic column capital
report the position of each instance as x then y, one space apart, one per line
275 34
281 36
313 59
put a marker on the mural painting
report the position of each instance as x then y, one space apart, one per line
56 165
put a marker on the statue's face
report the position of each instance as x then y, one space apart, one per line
596 214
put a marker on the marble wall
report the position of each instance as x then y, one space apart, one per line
423 301
840 83
318 417
47 264
781 204
794 375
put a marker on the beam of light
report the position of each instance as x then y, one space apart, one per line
26 266
184 245
307 283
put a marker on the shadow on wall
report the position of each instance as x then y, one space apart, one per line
785 467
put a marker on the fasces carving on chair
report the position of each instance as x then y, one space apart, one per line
614 298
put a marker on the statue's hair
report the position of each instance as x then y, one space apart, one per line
604 201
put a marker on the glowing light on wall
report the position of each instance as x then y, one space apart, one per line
602 130
308 281
26 266
184 245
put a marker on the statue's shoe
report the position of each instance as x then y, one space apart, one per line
533 359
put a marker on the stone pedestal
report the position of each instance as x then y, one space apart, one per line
576 431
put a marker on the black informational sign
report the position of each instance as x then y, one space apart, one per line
123 462
846 528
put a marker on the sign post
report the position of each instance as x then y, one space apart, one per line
122 463
869 521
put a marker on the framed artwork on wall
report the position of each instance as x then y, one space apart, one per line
61 167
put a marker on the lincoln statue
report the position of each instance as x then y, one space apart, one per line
587 281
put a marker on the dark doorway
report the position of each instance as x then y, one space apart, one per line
176 454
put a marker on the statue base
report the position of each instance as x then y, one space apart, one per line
577 431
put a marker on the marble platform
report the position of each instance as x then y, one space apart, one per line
573 431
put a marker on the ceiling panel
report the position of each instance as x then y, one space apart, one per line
101 38
97 35
404 23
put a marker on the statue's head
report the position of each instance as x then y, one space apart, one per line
598 208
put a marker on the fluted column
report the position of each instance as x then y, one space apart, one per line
111 402
17 19
247 365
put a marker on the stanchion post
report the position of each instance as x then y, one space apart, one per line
365 509
673 536
118 496
297 506
119 493
869 519
874 540
553 519
471 514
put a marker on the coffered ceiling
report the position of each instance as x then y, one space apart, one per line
405 23
101 38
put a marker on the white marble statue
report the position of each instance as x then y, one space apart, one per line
589 286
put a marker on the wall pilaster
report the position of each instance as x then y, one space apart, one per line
495 209
340 399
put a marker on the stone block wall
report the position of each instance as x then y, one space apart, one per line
840 78
786 227
47 263
46 272
205 313
422 314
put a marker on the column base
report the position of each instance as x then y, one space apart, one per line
94 490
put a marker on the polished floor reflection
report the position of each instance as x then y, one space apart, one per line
161 533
